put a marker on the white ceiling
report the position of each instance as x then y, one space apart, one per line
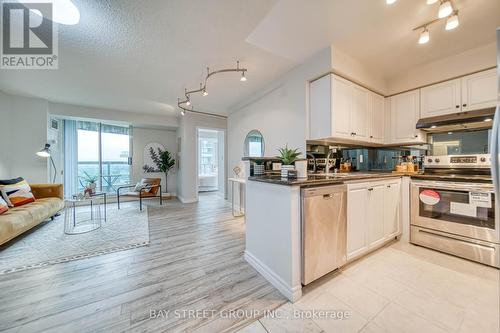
140 55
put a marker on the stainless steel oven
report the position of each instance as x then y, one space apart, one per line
457 217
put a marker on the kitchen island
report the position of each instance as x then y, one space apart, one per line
274 222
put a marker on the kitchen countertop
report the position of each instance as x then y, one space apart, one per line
332 179
323 179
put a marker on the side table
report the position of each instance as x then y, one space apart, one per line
72 225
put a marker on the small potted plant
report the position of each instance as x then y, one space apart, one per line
258 168
288 157
91 183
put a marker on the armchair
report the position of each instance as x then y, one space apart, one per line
150 190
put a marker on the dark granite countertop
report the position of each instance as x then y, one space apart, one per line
332 179
323 179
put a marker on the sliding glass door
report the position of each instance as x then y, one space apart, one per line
96 153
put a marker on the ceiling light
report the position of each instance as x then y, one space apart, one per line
183 112
488 119
205 93
445 9
433 126
424 37
431 2
452 22
188 102
450 133
243 77
390 2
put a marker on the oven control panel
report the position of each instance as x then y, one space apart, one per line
458 161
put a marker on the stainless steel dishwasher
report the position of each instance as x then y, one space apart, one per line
324 230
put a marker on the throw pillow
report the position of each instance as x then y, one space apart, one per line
139 186
16 192
3 206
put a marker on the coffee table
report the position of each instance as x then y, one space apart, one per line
74 224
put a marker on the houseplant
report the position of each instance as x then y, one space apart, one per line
91 183
163 161
288 157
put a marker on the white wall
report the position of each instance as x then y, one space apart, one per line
187 177
143 136
278 112
463 63
351 68
25 134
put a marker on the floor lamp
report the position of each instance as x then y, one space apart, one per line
45 152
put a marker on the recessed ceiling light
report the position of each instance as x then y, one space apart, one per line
390 2
445 9
433 126
424 37
488 119
450 133
452 22
431 2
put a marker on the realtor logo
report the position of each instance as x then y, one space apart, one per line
29 38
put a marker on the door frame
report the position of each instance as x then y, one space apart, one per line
224 131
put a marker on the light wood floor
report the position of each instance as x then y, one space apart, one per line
195 261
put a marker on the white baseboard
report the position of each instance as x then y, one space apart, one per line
186 201
292 293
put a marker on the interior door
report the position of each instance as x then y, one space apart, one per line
375 214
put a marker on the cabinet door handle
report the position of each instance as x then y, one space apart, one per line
388 186
458 106
370 189
464 105
415 136
371 136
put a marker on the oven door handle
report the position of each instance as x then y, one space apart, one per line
454 186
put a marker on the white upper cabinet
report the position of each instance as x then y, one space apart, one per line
472 92
405 112
480 90
377 118
440 99
360 114
341 109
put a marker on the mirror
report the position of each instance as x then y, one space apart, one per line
254 144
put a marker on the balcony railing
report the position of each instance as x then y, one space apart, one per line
113 174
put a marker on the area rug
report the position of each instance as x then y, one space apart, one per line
47 243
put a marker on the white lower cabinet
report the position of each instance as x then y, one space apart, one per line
373 215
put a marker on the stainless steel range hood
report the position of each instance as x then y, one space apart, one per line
458 121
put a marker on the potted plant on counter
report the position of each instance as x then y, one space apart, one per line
288 157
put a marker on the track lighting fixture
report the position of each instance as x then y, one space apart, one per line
445 9
452 22
424 36
203 88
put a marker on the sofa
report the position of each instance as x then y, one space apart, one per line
48 202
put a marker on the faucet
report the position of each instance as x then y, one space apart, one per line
314 161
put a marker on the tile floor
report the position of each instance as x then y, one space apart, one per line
399 288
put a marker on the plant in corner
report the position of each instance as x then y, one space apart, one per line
163 160
288 157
